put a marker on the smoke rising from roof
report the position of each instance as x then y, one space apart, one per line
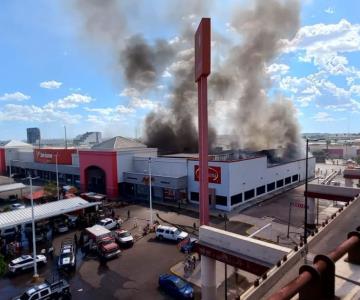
239 78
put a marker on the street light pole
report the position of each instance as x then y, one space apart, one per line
226 287
57 176
10 170
36 275
306 189
150 193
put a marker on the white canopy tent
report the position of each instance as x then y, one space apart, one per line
43 211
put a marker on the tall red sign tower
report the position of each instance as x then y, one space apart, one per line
202 70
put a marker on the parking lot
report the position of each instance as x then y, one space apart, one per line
133 275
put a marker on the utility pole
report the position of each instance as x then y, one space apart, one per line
225 283
306 190
36 275
288 229
150 193
57 176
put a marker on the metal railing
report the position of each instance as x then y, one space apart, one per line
318 281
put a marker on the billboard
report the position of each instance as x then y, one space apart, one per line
214 174
202 49
48 156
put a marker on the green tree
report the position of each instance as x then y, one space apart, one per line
50 190
3 266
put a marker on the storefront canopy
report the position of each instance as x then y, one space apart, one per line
36 195
43 211
11 187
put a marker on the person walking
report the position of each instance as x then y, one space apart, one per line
76 241
128 214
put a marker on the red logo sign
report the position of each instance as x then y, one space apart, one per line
214 174
298 205
48 156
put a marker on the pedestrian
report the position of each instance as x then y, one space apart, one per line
194 262
76 241
112 213
128 214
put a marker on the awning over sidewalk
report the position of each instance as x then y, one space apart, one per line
36 195
43 211
11 187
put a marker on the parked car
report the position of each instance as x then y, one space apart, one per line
189 246
109 223
25 262
62 227
67 256
176 287
16 206
59 289
170 233
124 238
108 248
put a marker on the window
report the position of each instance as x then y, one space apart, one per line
167 231
249 194
221 200
288 180
260 190
194 196
165 182
271 186
160 230
236 199
44 293
35 296
295 178
279 183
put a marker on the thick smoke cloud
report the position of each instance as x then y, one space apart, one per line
257 122
239 78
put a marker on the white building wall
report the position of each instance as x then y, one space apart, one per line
125 160
26 155
75 159
241 176
172 167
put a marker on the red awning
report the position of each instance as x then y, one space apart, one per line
36 195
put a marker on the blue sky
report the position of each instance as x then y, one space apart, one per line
51 75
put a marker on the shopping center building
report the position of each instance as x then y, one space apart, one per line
121 167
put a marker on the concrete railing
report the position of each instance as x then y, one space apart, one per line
288 268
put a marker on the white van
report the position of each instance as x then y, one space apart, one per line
170 233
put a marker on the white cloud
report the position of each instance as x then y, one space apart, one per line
330 10
16 96
277 69
130 92
107 111
324 43
136 101
33 113
323 117
51 84
71 101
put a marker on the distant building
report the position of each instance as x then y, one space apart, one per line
88 139
33 135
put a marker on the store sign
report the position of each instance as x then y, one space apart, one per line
214 174
48 156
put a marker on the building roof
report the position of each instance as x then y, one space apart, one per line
11 187
43 211
16 144
118 142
